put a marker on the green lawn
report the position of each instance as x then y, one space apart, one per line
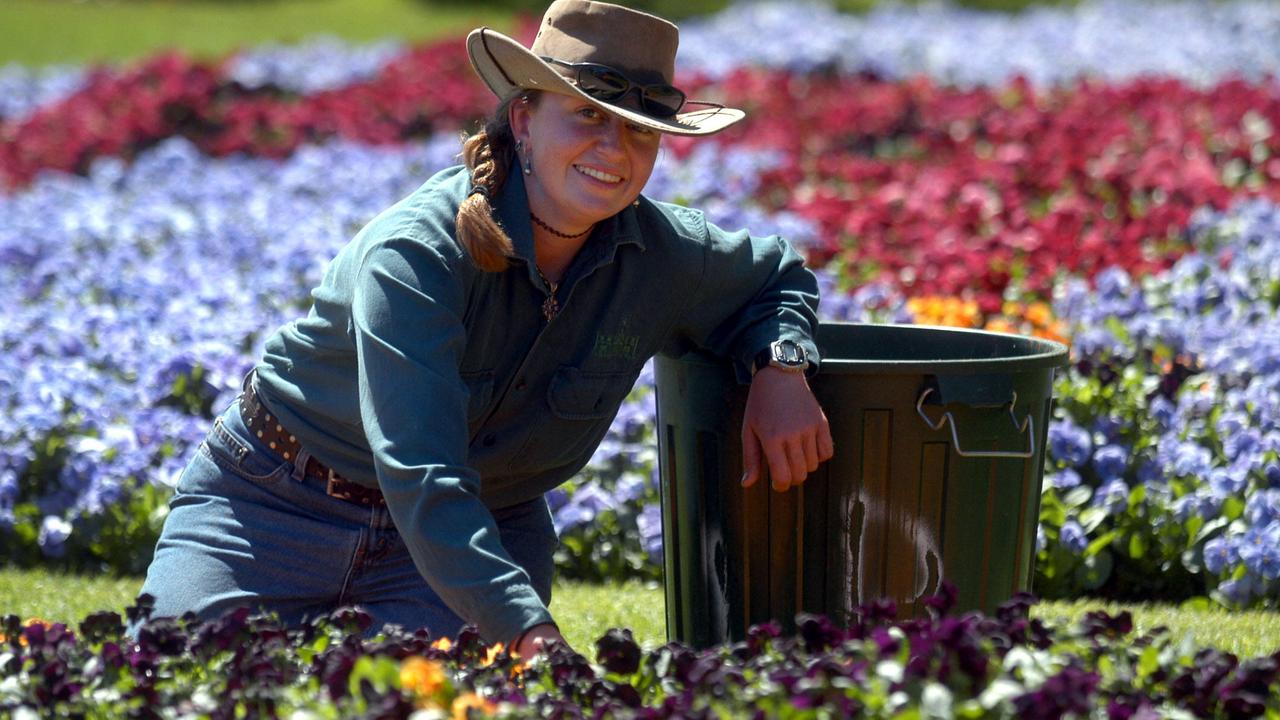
46 32
42 32
585 611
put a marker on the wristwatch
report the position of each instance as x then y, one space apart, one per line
784 355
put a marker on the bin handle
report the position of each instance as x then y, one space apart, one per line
1027 426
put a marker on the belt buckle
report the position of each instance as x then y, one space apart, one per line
331 487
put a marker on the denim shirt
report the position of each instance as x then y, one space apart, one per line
445 386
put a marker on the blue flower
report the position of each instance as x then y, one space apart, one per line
1191 459
592 497
570 516
1110 462
631 487
1226 482
1163 411
1073 537
1272 473
1244 445
1064 479
1113 495
649 523
1237 592
1069 443
1220 554
1260 552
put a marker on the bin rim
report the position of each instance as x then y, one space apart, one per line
1046 353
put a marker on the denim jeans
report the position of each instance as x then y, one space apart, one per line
247 527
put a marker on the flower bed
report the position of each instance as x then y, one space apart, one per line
1113 215
1003 666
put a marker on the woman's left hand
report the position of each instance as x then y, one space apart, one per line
783 426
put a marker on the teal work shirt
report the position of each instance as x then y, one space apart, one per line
445 386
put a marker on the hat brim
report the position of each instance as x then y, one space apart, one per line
506 66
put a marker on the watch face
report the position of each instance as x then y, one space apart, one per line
788 353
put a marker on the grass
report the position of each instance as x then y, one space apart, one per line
585 611
52 32
44 32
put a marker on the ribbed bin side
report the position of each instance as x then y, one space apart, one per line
893 513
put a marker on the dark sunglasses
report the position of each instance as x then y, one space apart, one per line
608 85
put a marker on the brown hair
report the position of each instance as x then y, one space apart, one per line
489 155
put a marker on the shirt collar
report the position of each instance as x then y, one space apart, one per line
513 214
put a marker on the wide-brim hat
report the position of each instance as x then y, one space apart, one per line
640 45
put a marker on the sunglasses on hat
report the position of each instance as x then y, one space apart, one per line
609 85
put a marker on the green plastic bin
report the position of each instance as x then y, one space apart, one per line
939 457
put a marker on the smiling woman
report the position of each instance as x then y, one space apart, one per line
40 32
468 350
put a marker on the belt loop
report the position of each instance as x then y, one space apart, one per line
247 384
300 465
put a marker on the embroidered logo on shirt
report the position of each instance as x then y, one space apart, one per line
616 345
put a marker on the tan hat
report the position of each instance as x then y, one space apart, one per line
619 59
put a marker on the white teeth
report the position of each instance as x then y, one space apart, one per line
603 176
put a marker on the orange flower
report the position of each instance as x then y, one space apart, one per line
1001 325
465 703
443 644
421 676
934 310
492 654
22 639
1039 314
1056 331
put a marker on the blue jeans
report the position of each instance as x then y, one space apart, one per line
247 527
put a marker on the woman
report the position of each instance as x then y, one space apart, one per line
467 351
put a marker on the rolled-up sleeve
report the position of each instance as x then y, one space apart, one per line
407 312
753 291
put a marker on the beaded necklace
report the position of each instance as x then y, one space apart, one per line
542 224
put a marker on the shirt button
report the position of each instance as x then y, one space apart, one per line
490 439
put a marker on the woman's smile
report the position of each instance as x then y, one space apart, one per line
600 175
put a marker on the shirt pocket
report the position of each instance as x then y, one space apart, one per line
582 405
578 395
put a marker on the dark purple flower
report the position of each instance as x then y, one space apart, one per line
618 652
351 619
818 632
1099 624
141 608
944 600
100 626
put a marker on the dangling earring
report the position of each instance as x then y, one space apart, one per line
524 159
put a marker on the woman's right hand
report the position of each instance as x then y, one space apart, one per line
535 639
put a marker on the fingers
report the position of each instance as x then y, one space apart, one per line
826 447
779 465
810 452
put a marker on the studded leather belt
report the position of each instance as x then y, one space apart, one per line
275 436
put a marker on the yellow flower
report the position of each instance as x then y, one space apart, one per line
443 644
422 677
465 703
